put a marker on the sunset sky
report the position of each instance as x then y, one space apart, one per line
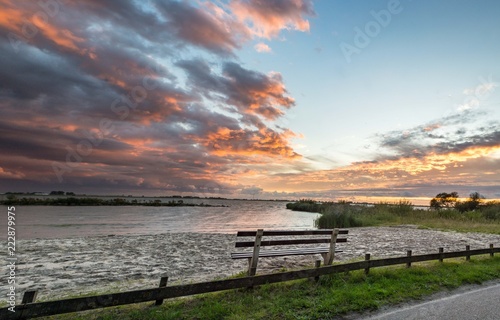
250 98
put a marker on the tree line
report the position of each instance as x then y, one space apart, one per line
451 201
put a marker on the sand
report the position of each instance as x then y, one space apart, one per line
74 266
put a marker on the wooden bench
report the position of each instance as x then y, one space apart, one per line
295 237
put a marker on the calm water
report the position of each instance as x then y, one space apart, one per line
63 222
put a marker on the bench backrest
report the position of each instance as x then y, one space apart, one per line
278 242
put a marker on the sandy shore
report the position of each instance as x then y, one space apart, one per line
73 266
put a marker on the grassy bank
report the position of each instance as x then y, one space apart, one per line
344 215
332 296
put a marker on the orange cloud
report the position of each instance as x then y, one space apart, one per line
62 37
11 175
453 168
268 18
266 99
431 161
29 22
11 18
264 142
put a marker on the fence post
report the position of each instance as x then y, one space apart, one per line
163 283
317 265
29 297
491 247
467 257
408 254
367 258
441 250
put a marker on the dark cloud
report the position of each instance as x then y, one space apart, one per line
92 98
202 26
248 91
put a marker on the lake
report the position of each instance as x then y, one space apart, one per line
48 222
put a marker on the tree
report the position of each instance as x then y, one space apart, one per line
473 203
444 200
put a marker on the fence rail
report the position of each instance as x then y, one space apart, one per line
29 309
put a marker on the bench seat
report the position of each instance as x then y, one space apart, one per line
282 253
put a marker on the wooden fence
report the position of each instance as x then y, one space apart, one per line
29 309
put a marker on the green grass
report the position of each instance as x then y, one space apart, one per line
486 219
332 296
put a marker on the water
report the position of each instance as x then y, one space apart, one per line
48 222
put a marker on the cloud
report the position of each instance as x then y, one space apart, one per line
11 175
478 95
447 154
262 47
249 92
207 26
98 96
266 18
251 190
454 133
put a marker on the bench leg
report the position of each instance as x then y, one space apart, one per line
331 254
252 262
251 271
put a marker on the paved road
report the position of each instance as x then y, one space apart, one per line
482 303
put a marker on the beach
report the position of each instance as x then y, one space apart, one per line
77 266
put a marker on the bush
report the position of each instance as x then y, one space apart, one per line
491 211
305 205
337 216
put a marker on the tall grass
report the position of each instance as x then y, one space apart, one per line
338 216
486 218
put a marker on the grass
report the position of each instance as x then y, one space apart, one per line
331 296
345 215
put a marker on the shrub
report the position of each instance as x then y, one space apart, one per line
337 216
491 210
306 206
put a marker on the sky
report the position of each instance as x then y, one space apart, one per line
250 98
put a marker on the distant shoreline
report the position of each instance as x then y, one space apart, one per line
95 201
4 196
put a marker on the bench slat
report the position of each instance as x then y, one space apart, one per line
247 244
290 232
281 253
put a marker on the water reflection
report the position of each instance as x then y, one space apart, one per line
62 222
